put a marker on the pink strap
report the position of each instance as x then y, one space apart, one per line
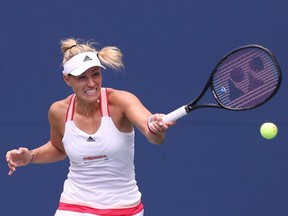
70 110
104 102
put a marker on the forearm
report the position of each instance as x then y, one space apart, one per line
47 153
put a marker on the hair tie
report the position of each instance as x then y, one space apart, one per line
72 46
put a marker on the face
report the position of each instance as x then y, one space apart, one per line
86 86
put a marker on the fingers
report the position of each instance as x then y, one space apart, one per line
171 123
11 171
11 158
157 125
11 164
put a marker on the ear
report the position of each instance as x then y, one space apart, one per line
66 79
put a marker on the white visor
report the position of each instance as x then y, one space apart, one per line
81 62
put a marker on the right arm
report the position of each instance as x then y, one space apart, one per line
50 152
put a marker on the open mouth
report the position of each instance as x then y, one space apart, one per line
91 92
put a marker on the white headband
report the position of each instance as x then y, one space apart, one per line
81 62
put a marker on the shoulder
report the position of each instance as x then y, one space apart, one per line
120 96
124 102
58 109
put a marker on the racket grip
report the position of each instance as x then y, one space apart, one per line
176 114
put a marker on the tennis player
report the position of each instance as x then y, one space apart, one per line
94 127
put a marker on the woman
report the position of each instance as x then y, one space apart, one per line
94 127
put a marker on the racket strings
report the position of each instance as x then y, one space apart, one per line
245 78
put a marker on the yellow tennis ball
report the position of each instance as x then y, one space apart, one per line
268 130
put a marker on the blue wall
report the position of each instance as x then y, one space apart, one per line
214 162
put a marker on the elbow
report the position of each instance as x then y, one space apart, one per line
157 140
158 143
63 156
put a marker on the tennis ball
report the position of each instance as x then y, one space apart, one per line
268 130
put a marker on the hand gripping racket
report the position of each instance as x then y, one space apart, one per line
244 79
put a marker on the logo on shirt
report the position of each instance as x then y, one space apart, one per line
95 159
90 139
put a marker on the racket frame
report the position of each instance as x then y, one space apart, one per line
185 109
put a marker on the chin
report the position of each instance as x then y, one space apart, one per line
91 98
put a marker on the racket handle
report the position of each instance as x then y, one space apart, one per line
176 114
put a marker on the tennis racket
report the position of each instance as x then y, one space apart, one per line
245 78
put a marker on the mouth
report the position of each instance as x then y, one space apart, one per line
91 92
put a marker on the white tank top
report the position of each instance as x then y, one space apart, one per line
101 172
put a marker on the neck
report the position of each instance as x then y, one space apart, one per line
87 109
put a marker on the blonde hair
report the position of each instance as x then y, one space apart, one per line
109 56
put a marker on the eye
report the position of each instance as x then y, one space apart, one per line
81 77
96 73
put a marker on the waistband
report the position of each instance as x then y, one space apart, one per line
103 212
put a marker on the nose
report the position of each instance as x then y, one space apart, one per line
91 82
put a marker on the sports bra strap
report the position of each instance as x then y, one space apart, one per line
104 105
71 107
